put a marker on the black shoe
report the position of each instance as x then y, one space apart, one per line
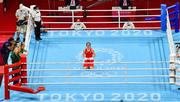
18 40
37 39
24 39
40 39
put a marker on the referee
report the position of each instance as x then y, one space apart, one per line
36 14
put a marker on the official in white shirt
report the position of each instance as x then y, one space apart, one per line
128 26
78 25
125 4
73 4
36 14
21 23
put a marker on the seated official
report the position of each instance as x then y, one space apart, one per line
125 4
177 51
128 26
78 25
72 3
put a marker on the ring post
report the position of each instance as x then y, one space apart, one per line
6 82
24 68
177 17
163 17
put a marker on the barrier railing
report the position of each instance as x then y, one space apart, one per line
19 76
7 73
117 14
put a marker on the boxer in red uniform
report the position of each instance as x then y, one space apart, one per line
88 55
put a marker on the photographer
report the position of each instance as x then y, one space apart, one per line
177 51
7 47
15 57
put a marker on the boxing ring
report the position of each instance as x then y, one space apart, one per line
130 65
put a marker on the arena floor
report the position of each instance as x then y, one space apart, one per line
136 48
